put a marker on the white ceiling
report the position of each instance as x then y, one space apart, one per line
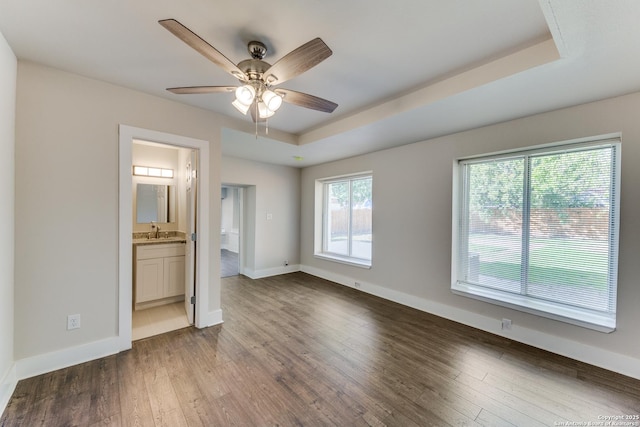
401 71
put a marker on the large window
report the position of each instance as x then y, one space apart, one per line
538 231
346 219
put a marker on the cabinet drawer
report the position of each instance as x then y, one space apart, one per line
159 250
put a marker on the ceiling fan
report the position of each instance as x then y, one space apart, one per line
257 93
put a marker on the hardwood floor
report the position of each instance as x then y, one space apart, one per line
298 350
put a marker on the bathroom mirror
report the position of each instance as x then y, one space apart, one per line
155 203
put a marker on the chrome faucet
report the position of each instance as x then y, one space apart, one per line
155 228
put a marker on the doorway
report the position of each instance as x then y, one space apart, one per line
203 316
163 252
231 207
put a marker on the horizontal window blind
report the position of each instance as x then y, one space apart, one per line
539 229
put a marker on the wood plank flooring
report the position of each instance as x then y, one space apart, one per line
296 350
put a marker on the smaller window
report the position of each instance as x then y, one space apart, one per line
346 220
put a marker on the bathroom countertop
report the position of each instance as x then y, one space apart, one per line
159 241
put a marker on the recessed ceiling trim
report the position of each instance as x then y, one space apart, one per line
554 27
533 56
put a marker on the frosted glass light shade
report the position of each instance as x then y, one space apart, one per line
263 111
241 107
245 94
151 171
141 170
272 100
155 172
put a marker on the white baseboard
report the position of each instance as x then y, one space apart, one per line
596 356
48 362
212 318
7 386
43 363
268 272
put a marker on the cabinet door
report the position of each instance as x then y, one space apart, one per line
173 276
149 279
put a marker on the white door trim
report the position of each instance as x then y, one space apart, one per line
125 228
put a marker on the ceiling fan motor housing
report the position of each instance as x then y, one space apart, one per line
257 49
253 68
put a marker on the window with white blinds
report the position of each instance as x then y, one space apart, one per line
538 231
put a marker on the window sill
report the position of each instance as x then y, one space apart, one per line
587 319
344 260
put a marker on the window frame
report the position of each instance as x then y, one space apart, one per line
322 208
591 319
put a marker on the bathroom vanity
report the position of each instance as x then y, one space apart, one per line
159 272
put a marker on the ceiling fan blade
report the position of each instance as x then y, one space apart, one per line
297 61
201 89
197 43
307 101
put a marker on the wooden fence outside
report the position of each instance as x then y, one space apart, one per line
361 222
591 223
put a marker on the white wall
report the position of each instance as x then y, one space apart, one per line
229 226
67 202
8 69
412 198
273 190
227 204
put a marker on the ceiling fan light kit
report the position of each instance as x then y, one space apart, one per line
267 100
272 100
256 93
245 94
243 108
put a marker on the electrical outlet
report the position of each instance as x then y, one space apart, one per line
357 284
506 324
73 321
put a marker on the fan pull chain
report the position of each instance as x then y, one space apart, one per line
257 119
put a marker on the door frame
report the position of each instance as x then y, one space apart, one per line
125 227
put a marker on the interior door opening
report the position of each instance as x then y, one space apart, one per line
164 239
206 285
231 230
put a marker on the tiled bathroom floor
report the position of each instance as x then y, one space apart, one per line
158 320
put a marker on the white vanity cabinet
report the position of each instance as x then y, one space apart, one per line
159 274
